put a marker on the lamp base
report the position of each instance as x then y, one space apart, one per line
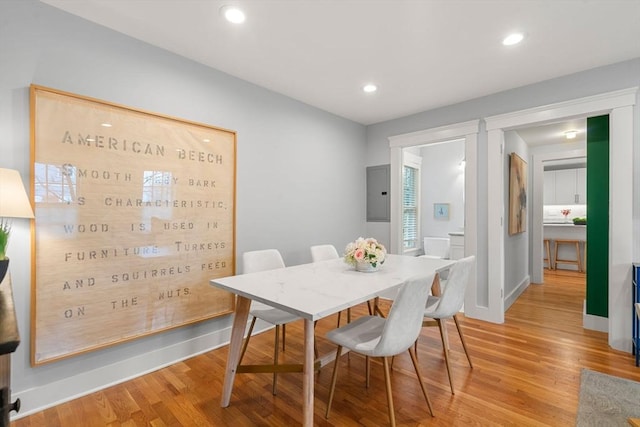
4 267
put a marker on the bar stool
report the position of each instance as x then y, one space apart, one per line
584 264
577 261
547 257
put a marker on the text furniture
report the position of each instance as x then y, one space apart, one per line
9 340
313 291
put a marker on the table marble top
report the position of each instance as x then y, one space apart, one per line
317 290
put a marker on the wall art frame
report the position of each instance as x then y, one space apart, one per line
441 211
517 195
134 214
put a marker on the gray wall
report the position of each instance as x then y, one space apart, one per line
300 171
442 182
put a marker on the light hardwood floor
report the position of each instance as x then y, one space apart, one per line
526 373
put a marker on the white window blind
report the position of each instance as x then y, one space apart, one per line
410 223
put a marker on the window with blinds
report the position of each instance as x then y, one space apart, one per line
410 225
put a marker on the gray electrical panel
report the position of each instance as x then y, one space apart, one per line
378 203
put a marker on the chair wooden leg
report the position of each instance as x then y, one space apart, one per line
445 350
348 321
246 341
376 308
464 344
284 331
275 357
367 368
387 382
414 359
334 376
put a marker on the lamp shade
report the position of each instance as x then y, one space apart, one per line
14 202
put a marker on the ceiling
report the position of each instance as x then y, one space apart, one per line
421 54
554 133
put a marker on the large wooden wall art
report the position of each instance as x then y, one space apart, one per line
134 214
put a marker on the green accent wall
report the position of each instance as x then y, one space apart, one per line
598 216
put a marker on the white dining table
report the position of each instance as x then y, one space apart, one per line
313 291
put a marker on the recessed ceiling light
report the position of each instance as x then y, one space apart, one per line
512 39
571 134
106 125
232 14
370 88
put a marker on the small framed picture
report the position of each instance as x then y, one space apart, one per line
441 210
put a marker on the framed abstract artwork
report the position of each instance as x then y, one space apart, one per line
517 194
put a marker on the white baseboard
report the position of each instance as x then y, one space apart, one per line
42 397
513 295
595 323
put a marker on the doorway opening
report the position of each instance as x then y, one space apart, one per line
559 195
475 302
619 106
557 199
434 198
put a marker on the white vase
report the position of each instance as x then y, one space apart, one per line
366 267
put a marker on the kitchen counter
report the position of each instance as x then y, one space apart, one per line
567 231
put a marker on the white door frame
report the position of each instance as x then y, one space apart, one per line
620 107
468 131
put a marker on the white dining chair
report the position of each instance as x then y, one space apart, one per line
375 336
436 247
324 253
327 252
447 305
261 260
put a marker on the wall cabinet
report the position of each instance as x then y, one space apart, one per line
581 186
549 187
565 187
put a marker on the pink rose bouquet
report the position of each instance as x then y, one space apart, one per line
365 250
